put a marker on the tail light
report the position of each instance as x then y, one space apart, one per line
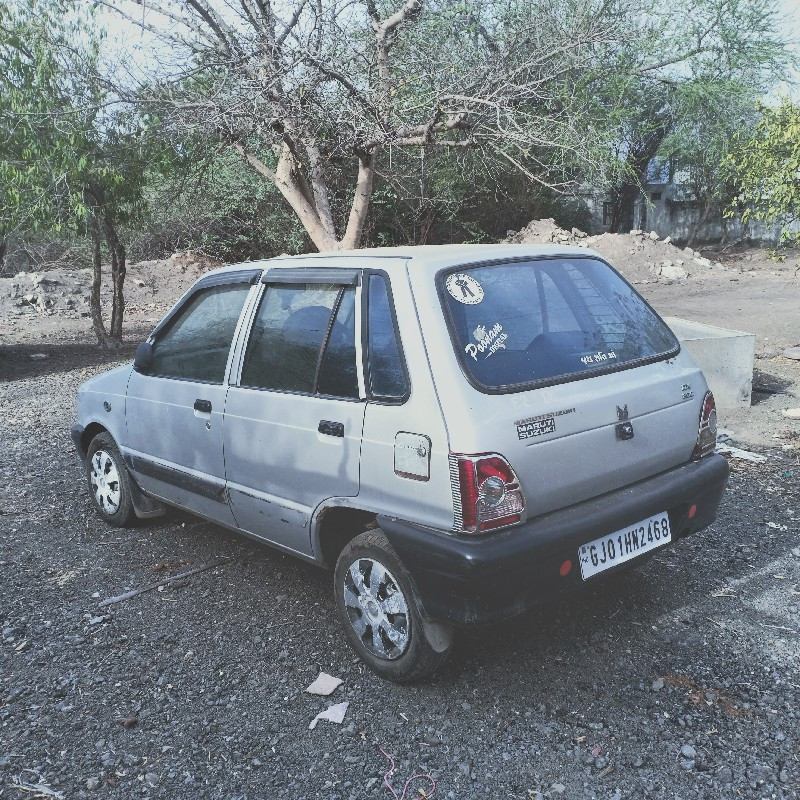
707 434
486 493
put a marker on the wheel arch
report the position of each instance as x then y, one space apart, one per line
89 432
334 526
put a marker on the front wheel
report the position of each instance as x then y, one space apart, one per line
379 614
108 479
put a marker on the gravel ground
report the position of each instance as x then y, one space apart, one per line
679 680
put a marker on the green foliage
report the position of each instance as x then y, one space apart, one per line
687 78
766 170
438 196
57 137
214 203
679 79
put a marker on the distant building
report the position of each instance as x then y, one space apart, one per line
668 207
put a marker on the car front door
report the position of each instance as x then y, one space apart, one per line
174 412
293 421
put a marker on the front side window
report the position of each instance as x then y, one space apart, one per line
303 340
196 343
526 323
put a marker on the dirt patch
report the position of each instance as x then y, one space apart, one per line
699 695
150 286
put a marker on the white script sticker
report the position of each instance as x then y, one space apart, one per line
465 289
490 340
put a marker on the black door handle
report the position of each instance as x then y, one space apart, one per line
203 405
331 428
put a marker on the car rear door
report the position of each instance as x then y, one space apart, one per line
174 411
294 418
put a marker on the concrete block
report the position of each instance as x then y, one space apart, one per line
725 356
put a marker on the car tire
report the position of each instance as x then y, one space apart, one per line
109 482
379 614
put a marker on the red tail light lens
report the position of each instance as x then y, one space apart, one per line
707 433
486 493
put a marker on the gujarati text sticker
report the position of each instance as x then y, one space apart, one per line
465 289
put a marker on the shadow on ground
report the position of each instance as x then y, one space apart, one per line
18 361
766 385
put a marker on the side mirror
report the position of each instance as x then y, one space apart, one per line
143 360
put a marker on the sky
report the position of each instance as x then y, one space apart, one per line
124 38
790 10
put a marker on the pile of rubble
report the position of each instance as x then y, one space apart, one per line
151 287
640 256
546 231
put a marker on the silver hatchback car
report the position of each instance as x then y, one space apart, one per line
458 432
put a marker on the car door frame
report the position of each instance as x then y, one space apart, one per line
347 272
209 493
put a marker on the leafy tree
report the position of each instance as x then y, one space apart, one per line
765 167
688 70
435 195
66 163
213 202
317 96
702 138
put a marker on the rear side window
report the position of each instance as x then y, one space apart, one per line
303 340
527 323
195 345
387 376
337 370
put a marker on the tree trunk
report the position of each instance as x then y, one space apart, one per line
623 196
311 205
3 248
700 222
623 200
117 252
94 298
360 204
286 180
425 226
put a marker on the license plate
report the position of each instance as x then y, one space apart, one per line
623 545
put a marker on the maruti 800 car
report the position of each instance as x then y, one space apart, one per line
458 432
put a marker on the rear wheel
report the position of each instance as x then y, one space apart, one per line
108 481
379 614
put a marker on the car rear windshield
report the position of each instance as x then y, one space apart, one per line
526 323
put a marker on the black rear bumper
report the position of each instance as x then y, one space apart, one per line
463 579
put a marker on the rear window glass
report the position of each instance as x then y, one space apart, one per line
523 323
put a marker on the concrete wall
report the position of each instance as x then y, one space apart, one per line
668 213
725 356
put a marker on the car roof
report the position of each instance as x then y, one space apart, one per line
418 256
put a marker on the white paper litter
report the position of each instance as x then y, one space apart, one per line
736 452
324 684
332 714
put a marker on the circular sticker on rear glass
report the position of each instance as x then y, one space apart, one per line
464 288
